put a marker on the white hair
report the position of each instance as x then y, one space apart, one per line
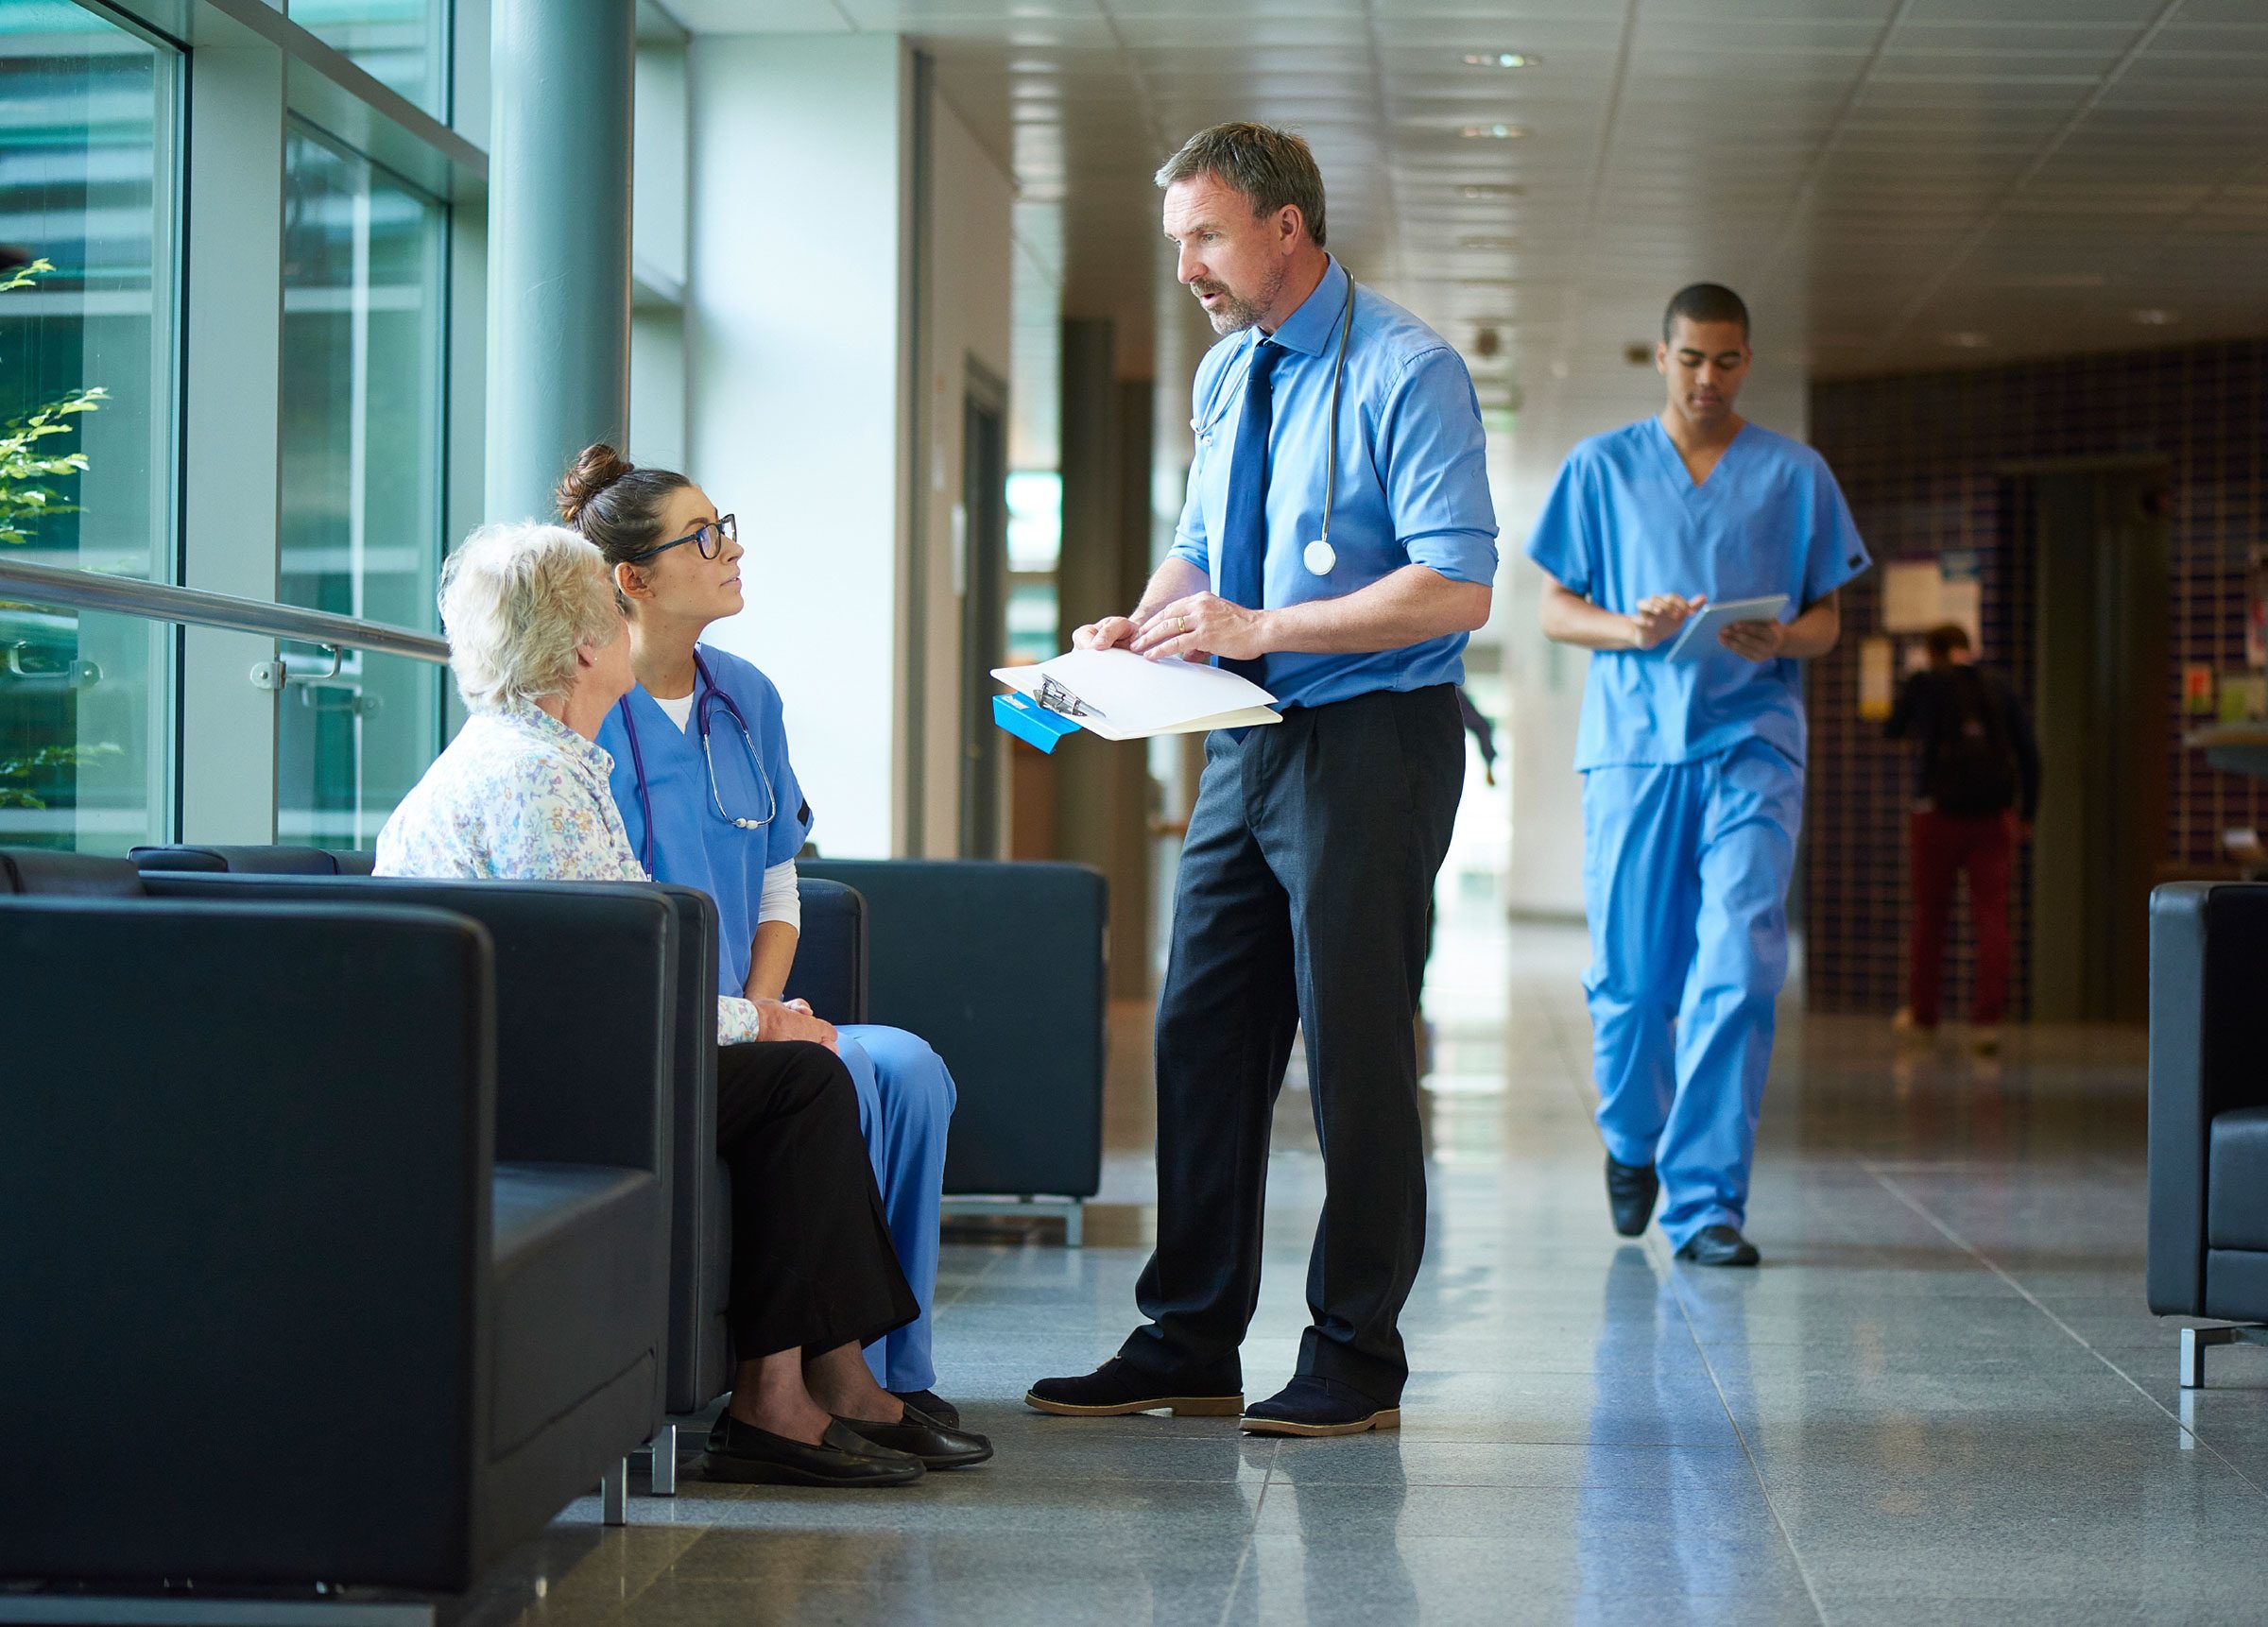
517 600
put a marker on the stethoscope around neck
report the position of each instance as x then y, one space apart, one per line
705 689
1319 557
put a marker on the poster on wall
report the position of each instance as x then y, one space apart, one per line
1877 679
1911 588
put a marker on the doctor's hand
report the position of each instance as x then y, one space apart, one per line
1203 624
1659 616
1754 640
792 1019
1107 634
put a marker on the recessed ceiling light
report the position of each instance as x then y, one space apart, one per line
2153 318
1487 243
1500 60
1480 190
1492 133
1967 341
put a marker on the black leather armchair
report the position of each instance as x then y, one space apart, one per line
2208 1113
371 1307
1003 969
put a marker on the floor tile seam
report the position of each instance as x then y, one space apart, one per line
1243 1556
999 1257
1764 1489
2032 1299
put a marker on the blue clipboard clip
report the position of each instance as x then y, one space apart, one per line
1033 722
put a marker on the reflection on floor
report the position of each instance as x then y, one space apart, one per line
1941 1400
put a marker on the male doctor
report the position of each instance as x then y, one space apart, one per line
1693 766
1312 852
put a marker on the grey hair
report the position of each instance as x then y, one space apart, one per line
1272 167
517 601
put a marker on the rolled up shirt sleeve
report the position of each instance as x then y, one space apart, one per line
1436 467
779 900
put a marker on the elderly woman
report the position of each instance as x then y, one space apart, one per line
538 643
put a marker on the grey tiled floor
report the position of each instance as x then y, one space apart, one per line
1942 1400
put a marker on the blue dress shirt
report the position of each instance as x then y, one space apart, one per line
1412 485
1625 521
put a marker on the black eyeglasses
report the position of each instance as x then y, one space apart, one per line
711 539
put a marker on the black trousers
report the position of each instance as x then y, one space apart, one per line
1301 906
812 1259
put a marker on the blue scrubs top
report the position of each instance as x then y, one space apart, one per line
694 845
1625 522
1413 486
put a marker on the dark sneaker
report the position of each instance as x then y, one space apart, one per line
750 1456
1631 1190
932 1406
1312 1406
921 1436
1114 1389
1719 1245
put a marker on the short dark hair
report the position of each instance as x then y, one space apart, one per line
1947 640
1704 302
1272 167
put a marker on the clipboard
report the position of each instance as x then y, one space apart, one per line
1700 630
1120 696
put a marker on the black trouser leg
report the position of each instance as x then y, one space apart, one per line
1224 1024
1357 826
812 1261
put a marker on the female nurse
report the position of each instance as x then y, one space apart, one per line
710 801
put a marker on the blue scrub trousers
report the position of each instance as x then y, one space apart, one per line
906 1099
1685 880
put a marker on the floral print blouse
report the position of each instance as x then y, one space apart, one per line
520 795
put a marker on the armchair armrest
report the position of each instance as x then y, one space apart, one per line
244 1175
586 980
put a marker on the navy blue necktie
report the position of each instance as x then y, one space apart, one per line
1245 522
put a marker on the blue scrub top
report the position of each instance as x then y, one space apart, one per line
694 845
1625 522
1412 485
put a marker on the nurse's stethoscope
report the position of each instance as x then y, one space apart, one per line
1319 557
705 691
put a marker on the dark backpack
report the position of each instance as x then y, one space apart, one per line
1971 770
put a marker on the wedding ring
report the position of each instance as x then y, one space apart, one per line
1181 623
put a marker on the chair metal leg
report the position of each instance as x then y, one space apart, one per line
663 1447
2195 1341
1075 1226
614 1494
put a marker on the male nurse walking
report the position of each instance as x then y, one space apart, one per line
1312 852
1693 766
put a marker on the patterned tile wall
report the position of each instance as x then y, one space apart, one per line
1922 460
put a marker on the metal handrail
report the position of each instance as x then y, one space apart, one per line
50 585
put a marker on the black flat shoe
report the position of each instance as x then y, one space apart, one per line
1311 1405
932 1406
1114 1389
1719 1245
1631 1190
921 1436
750 1456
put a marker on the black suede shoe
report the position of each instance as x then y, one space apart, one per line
1114 1389
1631 1190
921 1436
750 1456
1312 1406
932 1406
1719 1245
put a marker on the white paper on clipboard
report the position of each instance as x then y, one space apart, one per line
1700 630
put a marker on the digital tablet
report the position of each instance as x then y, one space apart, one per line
1700 630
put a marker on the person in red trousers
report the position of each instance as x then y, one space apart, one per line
1977 787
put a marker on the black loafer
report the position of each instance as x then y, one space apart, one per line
1631 1190
750 1456
1312 1406
1115 1389
1719 1245
932 1406
921 1436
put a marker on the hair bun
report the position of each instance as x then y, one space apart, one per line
597 468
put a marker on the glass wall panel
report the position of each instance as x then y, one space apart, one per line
361 469
87 338
404 45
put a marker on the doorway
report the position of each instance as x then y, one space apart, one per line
2100 551
983 548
